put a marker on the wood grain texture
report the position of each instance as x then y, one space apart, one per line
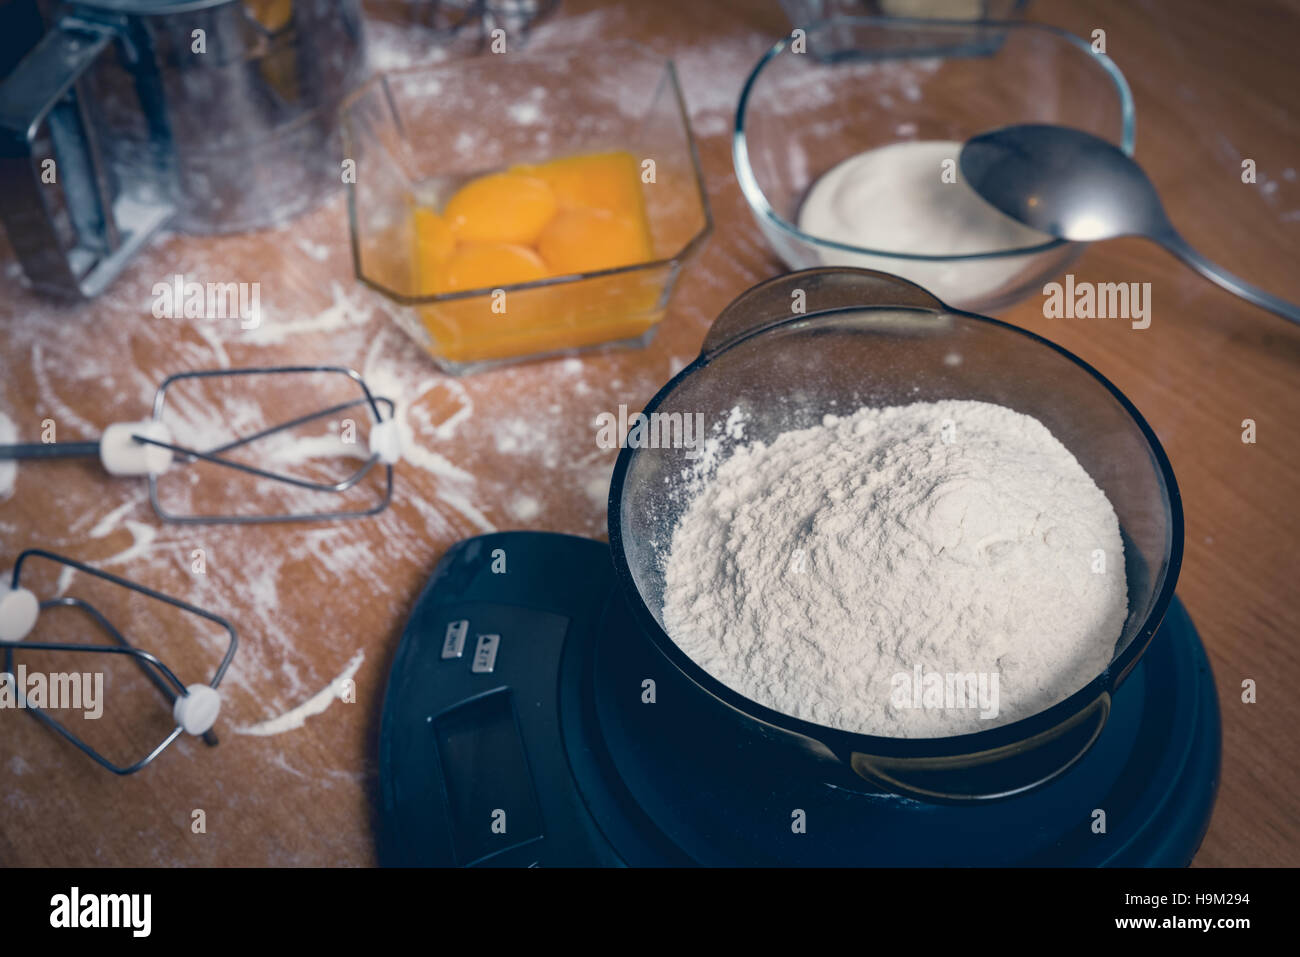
1214 83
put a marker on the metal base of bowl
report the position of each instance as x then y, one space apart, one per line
561 717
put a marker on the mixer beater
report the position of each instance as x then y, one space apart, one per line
194 707
148 448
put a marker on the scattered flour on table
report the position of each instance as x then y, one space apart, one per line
65 581
955 537
712 73
142 538
278 324
317 251
527 112
456 485
394 46
295 718
525 508
111 521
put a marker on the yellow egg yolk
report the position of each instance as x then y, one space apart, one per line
488 265
501 208
586 240
575 214
608 181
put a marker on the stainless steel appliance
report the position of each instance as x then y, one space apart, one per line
210 116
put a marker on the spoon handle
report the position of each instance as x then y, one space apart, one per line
1235 285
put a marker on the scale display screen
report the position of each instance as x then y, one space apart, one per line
489 786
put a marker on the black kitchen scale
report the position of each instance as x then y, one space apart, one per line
518 730
539 714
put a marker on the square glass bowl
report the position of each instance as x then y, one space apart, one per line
416 136
872 82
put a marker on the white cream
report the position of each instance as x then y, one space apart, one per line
895 199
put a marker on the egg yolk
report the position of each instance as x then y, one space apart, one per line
575 214
608 181
501 208
488 265
586 240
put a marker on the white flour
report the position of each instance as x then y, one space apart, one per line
952 537
316 704
893 199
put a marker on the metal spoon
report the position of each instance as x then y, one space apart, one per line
1076 186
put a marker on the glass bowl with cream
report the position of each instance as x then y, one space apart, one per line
848 135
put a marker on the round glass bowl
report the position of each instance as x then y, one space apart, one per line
872 340
863 83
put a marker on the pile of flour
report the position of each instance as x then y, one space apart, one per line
945 538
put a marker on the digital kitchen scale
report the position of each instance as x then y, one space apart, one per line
519 730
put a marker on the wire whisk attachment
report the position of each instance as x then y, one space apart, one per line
151 447
194 707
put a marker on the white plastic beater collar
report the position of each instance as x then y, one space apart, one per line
19 610
123 455
386 442
196 711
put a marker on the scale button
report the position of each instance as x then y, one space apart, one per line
485 653
453 645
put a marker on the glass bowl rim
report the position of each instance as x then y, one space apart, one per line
967 744
757 199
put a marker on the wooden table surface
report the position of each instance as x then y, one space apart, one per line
1214 84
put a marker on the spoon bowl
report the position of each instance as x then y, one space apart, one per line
1073 185
1062 181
